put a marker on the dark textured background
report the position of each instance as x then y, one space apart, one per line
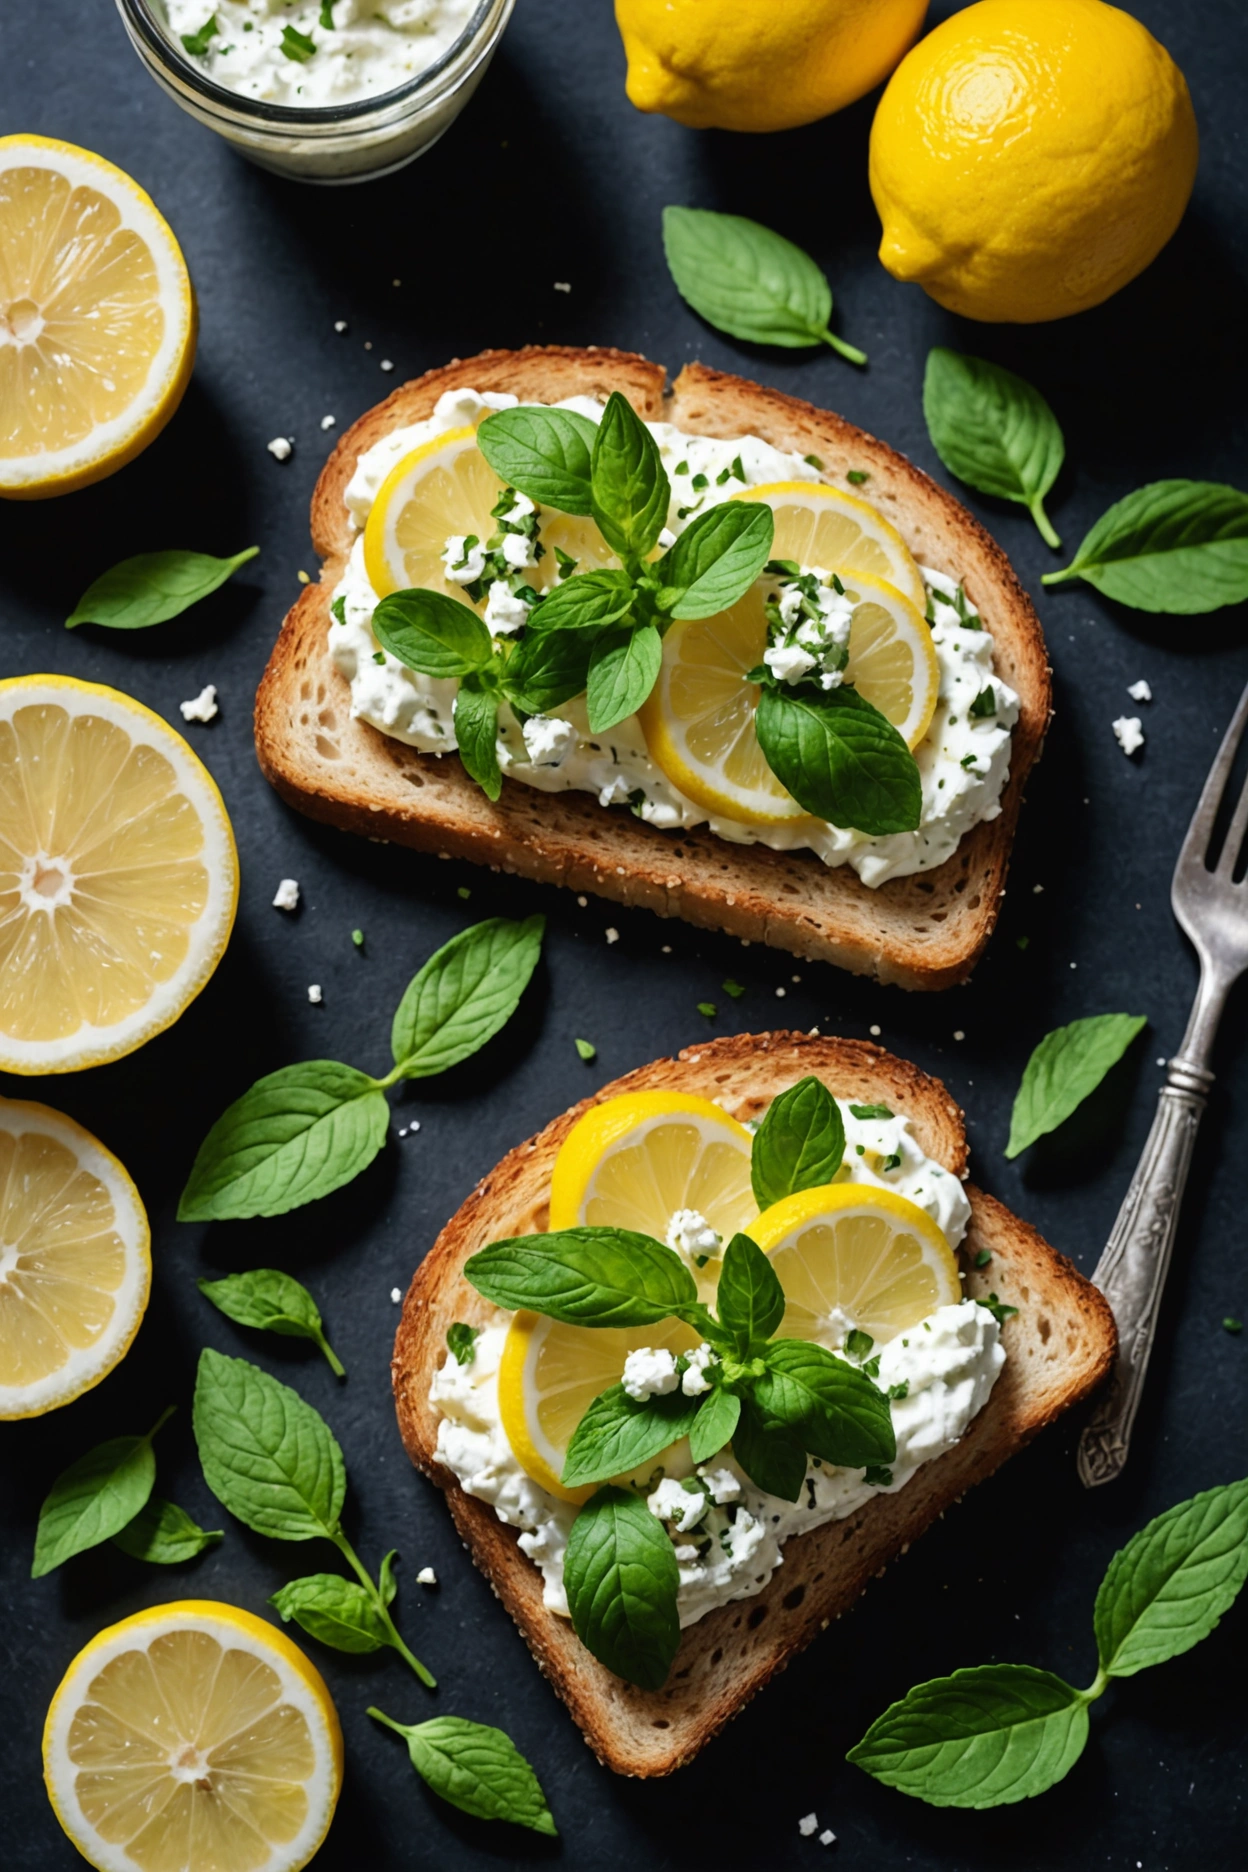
551 175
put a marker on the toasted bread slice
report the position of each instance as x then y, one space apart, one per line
1060 1346
925 931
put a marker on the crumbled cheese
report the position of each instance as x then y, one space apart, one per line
613 935
340 325
681 1504
387 364
464 564
1140 691
504 614
548 739
280 448
689 1233
204 707
314 994
1129 731
694 1381
827 1837
723 1484
649 1372
426 1577
396 1295
807 1824
563 285
327 422
287 897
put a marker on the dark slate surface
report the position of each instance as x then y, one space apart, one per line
551 175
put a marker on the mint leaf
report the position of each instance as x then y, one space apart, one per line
749 1298
993 430
544 453
863 1112
94 1499
153 587
431 633
266 1455
465 993
799 1144
1169 1586
476 734
840 759
617 1433
585 1277
335 1610
1068 1064
584 602
622 1579
1176 546
981 1738
196 43
476 1768
745 280
630 490
548 667
716 559
461 1342
623 668
296 1135
832 1408
164 1534
772 1457
273 1302
715 1424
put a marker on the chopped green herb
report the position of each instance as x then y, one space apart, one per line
681 468
699 482
379 656
357 937
813 461
722 476
875 1475
462 890
861 1149
708 1008
1232 1325
857 1343
892 1161
969 760
296 45
587 1050
983 1257
897 1391
871 1366
1022 941
736 469
783 568
857 476
327 15
733 988
984 705
338 610
566 563
998 1308
196 43
462 1341
870 1111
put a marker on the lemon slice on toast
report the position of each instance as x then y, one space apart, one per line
821 526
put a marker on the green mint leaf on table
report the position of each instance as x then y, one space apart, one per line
196 43
296 45
623 668
622 1579
95 1498
707 1009
548 667
164 1534
981 1738
465 994
840 759
864 1112
772 1457
461 1342
431 633
715 1424
476 734
1175 546
716 559
630 490
799 1144
733 988
1068 1064
154 587
749 1298
618 1433
337 1611
585 1277
476 1768
746 281
273 1302
834 1409
296 1135
587 1050
993 430
585 602
544 453
1169 1586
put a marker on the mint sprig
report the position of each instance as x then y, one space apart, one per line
95 1498
273 1302
475 1767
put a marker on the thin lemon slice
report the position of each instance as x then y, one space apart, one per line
446 488
550 1374
632 1162
699 718
821 526
118 874
193 1738
869 1252
97 318
75 1262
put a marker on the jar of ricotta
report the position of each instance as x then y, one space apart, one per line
322 90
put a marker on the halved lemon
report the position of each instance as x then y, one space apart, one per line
699 718
97 318
75 1261
878 1257
193 1738
447 488
118 874
821 526
632 1162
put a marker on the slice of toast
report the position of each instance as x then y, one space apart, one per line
925 931
1060 1346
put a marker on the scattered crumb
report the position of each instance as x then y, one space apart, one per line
613 935
807 1824
666 949
396 1295
340 325
1232 1326
874 1032
563 285
280 448
958 1034
357 937
426 1576
287 897
587 1050
780 993
204 706
387 363
795 978
827 1837
813 1032
314 994
368 344
1140 691
462 890
1129 732
1162 1060
328 422
396 282
1036 889
303 577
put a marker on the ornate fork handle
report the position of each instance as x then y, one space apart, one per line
1132 1271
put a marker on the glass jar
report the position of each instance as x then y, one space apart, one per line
328 143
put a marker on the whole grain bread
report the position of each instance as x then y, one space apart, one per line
1060 1346
925 931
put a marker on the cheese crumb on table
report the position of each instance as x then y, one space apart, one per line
807 1824
827 1837
563 285
1140 691
426 1577
280 448
287 897
395 1295
327 422
340 325
203 707
314 994
613 935
1129 732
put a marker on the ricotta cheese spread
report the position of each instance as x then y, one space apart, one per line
288 52
963 760
727 1533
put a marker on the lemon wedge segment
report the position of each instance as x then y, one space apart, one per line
75 1261
698 720
821 526
632 1162
97 318
118 874
870 1253
445 489
189 1737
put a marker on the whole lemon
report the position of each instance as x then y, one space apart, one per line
760 64
1029 157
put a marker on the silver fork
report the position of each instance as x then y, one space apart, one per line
1131 1273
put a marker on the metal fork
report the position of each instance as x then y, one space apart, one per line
1131 1273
